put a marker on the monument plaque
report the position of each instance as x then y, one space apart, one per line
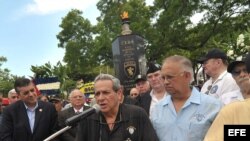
128 56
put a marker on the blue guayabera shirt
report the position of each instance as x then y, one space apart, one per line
191 123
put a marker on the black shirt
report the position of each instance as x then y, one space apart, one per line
131 124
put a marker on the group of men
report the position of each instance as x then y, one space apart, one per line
168 107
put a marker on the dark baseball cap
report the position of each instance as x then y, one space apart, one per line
233 64
153 67
140 77
213 53
55 99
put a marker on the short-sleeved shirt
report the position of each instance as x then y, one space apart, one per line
233 113
232 97
190 123
224 84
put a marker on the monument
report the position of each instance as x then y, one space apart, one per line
128 55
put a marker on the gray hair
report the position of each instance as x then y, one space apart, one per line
12 91
186 64
73 91
116 81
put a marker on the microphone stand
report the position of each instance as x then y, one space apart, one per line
69 122
57 133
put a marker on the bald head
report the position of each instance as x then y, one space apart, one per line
77 98
12 95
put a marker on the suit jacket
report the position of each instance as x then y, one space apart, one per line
70 134
15 124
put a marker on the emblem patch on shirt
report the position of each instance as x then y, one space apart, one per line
199 117
214 89
131 129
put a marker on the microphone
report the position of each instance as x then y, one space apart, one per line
72 120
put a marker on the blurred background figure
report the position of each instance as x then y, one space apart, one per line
12 95
44 98
221 82
5 102
134 92
244 85
0 110
235 113
148 100
239 72
142 84
77 100
57 103
127 99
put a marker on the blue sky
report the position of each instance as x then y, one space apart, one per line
28 30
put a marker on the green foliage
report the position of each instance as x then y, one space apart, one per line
6 79
166 26
2 60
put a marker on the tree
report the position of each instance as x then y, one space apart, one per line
59 71
6 79
77 39
221 23
166 26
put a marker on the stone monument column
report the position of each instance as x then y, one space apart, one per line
128 55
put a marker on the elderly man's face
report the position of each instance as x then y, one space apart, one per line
77 98
106 97
142 86
211 65
174 78
155 80
239 72
244 85
13 98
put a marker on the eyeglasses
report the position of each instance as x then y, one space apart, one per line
171 77
238 72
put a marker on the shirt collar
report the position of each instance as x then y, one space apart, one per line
80 110
28 108
194 98
220 77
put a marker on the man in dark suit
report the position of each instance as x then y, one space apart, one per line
77 100
28 119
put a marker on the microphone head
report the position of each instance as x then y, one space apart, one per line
96 107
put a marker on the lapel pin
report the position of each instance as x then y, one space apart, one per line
40 110
131 129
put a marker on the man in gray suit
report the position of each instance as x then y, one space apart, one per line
77 100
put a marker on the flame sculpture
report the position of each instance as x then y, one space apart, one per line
124 15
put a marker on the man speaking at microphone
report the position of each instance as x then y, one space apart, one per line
115 121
